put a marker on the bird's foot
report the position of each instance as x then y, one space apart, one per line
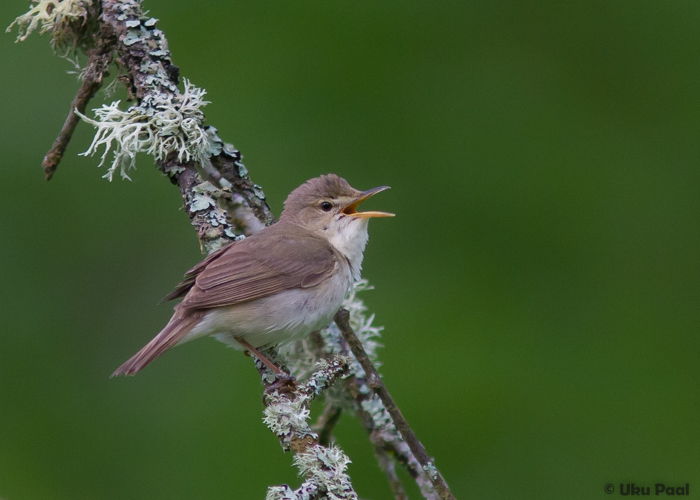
284 384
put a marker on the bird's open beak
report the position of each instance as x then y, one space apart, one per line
351 209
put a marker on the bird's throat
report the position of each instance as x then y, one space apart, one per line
349 237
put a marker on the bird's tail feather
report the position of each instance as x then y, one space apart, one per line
173 332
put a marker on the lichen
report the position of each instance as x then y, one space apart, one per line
205 195
284 415
162 124
377 411
431 470
306 491
47 16
288 417
326 469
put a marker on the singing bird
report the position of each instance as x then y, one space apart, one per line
278 285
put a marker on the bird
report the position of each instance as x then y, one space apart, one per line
278 285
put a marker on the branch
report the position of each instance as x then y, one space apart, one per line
387 464
97 68
359 397
342 319
326 423
287 415
223 205
153 78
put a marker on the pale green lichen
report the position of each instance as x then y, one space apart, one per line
162 124
326 469
205 195
377 411
284 492
284 415
46 15
431 470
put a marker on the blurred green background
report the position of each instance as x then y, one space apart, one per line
540 285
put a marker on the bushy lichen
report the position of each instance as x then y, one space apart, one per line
162 124
305 492
53 16
286 416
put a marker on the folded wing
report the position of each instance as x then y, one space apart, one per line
279 260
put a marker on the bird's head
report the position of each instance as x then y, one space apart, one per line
329 204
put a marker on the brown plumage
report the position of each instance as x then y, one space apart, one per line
296 254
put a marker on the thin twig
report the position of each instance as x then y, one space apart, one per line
96 70
388 465
326 423
342 319
374 417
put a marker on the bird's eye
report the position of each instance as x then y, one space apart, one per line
326 206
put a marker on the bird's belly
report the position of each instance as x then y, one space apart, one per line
277 319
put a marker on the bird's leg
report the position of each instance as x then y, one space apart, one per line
275 369
284 383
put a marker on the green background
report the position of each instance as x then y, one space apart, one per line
539 286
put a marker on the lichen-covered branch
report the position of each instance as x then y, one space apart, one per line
357 395
287 415
342 319
224 205
170 125
95 72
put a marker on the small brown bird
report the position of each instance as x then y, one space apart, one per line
275 286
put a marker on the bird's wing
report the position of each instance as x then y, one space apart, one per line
190 276
264 264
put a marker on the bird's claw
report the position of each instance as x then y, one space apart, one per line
284 384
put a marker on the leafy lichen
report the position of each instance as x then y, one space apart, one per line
324 468
284 415
431 470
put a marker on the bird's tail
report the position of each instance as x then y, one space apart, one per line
173 332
